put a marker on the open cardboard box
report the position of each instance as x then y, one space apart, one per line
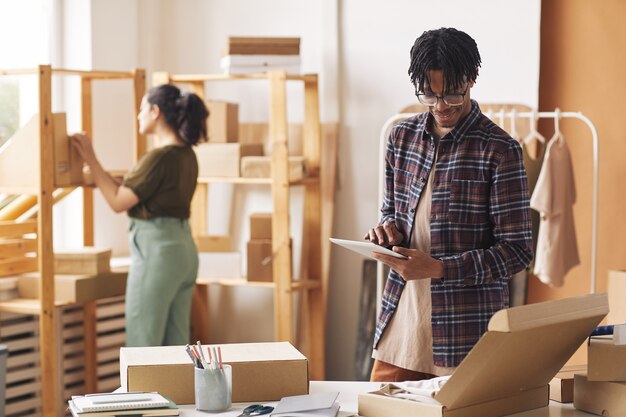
261 371
509 369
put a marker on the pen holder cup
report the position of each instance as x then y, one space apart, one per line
213 388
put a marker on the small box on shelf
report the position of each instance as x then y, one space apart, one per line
259 260
223 122
261 226
87 260
214 243
223 159
261 167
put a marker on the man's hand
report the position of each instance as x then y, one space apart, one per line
386 234
418 265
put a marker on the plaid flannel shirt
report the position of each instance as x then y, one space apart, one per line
480 223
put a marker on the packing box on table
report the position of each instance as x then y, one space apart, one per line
261 371
606 360
599 397
509 369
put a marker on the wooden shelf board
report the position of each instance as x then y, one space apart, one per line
253 181
190 78
26 305
243 282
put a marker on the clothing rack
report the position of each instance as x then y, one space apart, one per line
501 116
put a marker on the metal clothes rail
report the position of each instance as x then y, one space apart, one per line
502 115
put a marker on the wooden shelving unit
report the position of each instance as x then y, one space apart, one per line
43 186
312 284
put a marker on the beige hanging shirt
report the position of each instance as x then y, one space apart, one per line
408 340
553 198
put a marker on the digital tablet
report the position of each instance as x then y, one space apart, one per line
365 248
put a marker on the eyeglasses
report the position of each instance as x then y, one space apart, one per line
452 99
256 410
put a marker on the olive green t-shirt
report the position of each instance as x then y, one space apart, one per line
164 180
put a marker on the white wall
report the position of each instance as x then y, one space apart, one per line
362 47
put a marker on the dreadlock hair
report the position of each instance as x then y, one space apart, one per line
447 49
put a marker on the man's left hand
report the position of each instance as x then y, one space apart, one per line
418 265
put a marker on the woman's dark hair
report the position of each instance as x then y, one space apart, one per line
447 49
183 112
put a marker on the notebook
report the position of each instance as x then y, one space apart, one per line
119 401
171 410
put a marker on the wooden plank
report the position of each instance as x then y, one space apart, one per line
109 384
112 340
105 355
16 266
22 343
16 247
17 207
15 391
12 229
49 371
111 325
8 329
13 361
139 90
23 374
281 265
108 369
200 314
32 405
311 136
90 340
86 103
111 310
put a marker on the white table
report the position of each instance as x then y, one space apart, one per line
348 393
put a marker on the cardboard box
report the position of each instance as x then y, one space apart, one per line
562 385
219 265
261 167
259 260
617 295
261 371
606 360
84 261
206 243
76 288
223 121
599 397
68 163
509 369
222 159
260 226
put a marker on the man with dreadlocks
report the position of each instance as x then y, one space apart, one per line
456 205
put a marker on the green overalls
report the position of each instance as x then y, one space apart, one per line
164 258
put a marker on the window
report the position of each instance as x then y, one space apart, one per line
25 27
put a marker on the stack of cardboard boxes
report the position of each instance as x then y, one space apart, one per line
225 156
602 390
80 275
249 55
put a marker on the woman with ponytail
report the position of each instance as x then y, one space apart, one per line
157 194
